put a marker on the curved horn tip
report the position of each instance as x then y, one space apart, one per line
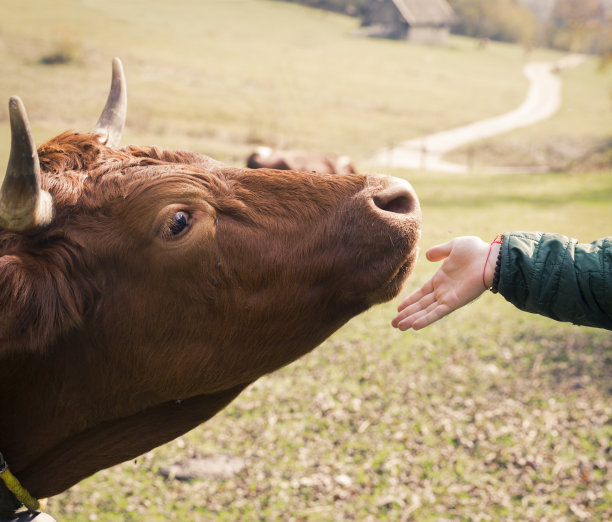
117 66
118 77
23 158
15 101
19 117
112 120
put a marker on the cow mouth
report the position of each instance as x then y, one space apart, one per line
393 286
381 276
404 271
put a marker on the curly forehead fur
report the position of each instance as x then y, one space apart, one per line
79 167
79 171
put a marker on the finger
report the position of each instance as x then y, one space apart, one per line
427 288
439 252
436 310
431 316
407 320
422 304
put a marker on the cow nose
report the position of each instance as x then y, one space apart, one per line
397 196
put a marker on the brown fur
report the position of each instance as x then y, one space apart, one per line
116 337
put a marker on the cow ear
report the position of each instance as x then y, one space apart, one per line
39 302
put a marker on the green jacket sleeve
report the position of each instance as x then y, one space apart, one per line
555 276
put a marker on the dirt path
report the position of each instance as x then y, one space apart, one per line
542 101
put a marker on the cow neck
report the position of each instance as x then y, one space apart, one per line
13 495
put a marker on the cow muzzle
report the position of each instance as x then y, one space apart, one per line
389 237
397 196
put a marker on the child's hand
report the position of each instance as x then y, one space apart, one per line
457 282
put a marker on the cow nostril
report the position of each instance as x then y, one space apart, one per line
397 197
402 204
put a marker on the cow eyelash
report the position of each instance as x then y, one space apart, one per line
178 224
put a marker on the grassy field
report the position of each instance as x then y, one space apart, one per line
222 76
491 414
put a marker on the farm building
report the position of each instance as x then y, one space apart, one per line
421 21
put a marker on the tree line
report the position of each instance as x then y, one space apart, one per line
578 26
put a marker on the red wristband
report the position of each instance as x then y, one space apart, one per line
497 241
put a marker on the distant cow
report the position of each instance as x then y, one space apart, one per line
141 289
265 157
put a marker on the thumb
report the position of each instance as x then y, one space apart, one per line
439 252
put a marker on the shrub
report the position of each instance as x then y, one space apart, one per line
63 49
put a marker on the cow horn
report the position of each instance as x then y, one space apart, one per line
112 120
24 206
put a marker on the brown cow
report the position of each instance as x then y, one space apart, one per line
142 289
265 157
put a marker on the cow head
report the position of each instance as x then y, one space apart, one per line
142 289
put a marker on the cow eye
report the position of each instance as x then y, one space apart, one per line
179 222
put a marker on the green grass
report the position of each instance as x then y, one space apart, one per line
491 414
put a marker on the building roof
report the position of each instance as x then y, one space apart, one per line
420 12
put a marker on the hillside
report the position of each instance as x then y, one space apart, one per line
222 77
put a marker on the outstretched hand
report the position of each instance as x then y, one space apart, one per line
457 282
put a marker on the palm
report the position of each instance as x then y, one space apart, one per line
457 282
